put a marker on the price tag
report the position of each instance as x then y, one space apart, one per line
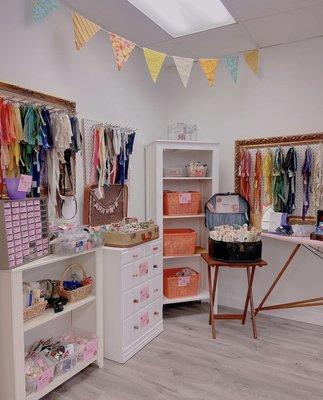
185 198
184 280
24 184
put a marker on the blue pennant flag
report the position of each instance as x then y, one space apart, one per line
42 8
232 63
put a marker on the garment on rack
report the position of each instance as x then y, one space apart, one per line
257 184
244 173
267 171
290 168
306 174
317 185
76 144
279 201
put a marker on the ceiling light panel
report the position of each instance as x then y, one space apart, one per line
184 17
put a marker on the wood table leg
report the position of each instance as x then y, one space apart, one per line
287 263
252 308
211 301
215 281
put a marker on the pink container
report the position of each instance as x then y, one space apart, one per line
12 188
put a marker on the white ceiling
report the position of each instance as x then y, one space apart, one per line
259 22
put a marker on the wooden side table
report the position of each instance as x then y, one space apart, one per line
251 269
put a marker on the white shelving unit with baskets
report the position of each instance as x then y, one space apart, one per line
16 336
163 154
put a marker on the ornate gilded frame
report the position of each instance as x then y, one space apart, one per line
310 138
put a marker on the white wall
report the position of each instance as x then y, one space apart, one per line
42 57
285 99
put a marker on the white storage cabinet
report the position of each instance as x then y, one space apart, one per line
133 299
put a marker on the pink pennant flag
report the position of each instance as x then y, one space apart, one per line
122 49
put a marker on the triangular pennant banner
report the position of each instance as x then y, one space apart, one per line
209 66
122 48
184 68
42 8
84 30
252 59
232 62
154 61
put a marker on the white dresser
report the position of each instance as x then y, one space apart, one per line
133 298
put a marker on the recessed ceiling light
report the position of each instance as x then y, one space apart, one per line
184 17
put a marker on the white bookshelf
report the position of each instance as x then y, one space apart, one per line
169 153
16 336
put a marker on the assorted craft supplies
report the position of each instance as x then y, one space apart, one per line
235 233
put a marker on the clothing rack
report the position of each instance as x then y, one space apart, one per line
26 94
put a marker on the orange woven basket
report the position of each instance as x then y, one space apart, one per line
175 287
181 203
179 242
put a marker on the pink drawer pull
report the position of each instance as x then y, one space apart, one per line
136 300
156 312
136 327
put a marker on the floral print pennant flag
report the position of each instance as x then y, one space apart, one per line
122 49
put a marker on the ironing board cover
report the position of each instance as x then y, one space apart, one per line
226 209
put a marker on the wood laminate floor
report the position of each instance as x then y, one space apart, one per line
184 363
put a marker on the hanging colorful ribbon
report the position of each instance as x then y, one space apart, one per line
279 201
267 172
244 173
257 184
290 168
306 173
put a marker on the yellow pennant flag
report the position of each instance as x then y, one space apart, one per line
252 59
209 66
154 61
84 30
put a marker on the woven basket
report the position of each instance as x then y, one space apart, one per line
35 310
176 287
181 203
179 242
78 294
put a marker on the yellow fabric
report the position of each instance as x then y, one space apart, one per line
154 61
252 59
209 66
84 30
267 172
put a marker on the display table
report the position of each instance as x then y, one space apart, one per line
315 246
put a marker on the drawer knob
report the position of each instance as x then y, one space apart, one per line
155 290
135 275
156 312
136 327
135 256
136 300
155 248
155 266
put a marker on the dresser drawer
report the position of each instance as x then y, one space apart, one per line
137 325
154 247
139 297
133 255
137 272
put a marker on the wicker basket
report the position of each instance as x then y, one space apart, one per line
176 287
79 293
179 242
35 310
181 203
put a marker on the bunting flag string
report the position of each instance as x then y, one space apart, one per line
42 8
209 66
122 49
252 59
232 62
84 30
184 68
154 60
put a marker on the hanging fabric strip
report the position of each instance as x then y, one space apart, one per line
279 201
317 180
267 172
244 173
257 184
290 168
306 173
